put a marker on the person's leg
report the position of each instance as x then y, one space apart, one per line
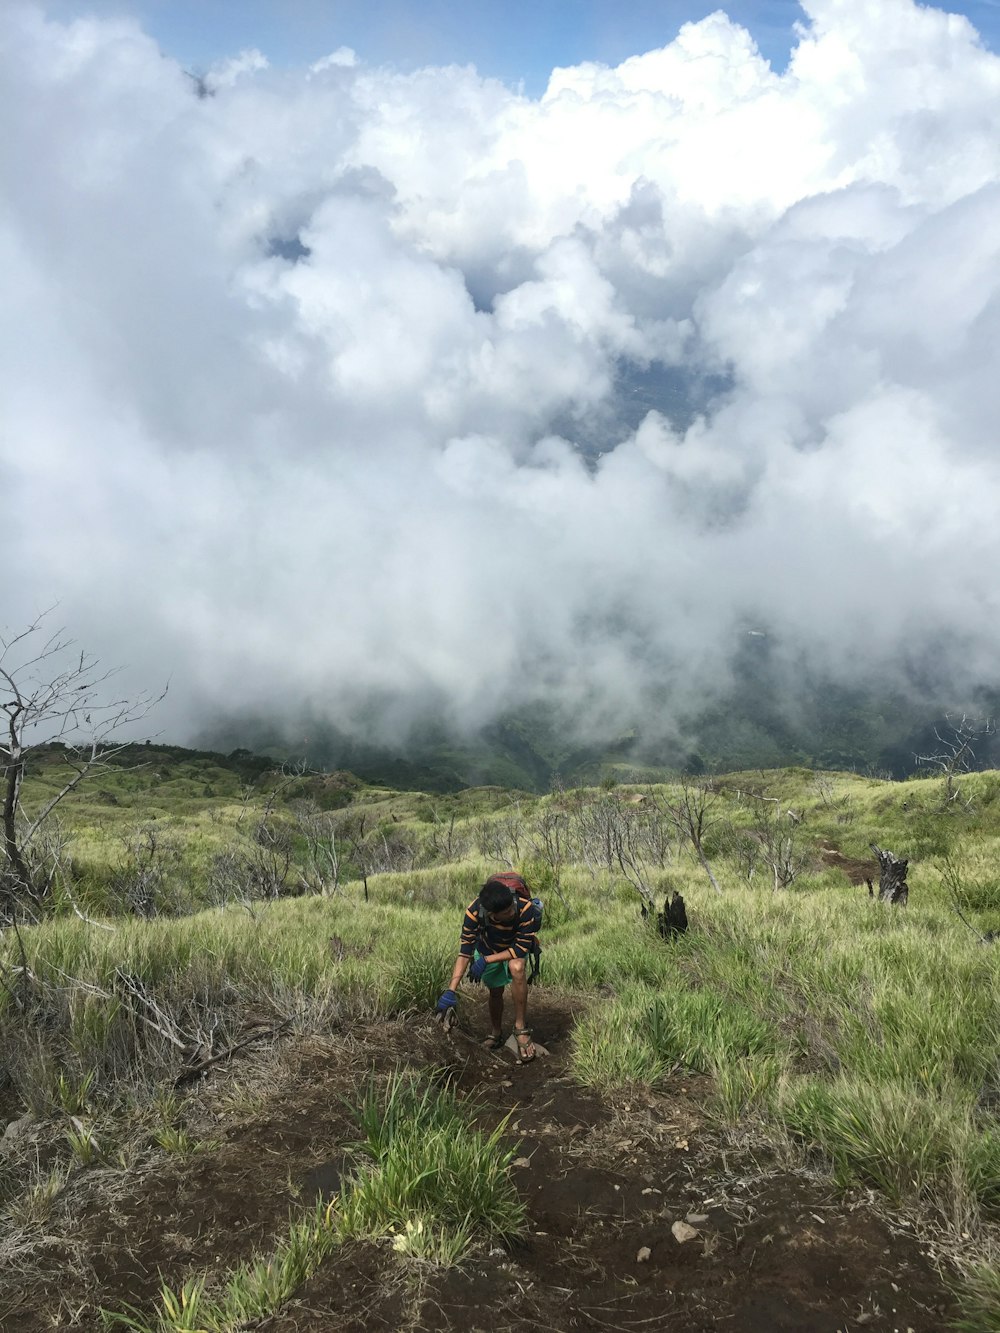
496 1014
495 978
519 990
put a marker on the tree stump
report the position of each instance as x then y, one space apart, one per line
892 885
672 921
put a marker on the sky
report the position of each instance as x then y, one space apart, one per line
364 366
517 41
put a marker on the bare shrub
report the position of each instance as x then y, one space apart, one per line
59 702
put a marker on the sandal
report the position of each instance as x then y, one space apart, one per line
494 1041
525 1046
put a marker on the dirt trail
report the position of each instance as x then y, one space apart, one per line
774 1250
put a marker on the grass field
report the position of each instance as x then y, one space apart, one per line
860 1037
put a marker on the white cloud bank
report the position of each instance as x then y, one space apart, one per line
346 380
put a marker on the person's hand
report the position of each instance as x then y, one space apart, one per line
478 967
447 1001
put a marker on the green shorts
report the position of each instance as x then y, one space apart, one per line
496 976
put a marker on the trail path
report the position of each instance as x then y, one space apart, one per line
605 1180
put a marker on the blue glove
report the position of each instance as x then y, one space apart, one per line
479 966
447 1001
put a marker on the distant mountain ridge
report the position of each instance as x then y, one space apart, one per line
827 727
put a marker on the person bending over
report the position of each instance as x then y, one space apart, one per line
498 934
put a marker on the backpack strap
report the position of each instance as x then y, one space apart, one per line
535 963
482 944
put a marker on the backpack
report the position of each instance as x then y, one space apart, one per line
511 880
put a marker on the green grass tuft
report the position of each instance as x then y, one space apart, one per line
425 1170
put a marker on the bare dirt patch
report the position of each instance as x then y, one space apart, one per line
605 1180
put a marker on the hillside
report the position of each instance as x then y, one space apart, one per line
775 712
792 1107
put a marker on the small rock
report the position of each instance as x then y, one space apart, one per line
697 1219
682 1232
511 1045
17 1127
643 1256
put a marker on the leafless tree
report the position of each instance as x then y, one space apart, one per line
140 873
248 790
377 847
228 881
511 827
785 858
446 842
692 814
593 831
658 833
390 850
956 750
776 837
270 861
747 851
52 693
255 874
549 835
324 840
356 829
631 861
825 789
487 839
612 835
258 869
499 838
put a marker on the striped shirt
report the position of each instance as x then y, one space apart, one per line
496 936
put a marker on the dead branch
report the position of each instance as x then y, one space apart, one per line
197 1070
953 880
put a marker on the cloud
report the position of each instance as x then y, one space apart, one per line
342 384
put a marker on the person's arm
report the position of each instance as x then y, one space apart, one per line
504 956
466 951
467 944
527 929
458 972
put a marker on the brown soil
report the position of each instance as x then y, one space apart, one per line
776 1249
857 871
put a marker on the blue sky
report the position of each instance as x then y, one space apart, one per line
512 40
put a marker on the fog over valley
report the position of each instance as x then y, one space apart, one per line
364 394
